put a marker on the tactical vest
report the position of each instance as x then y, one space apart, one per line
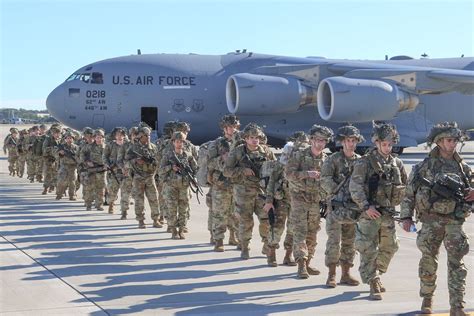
385 182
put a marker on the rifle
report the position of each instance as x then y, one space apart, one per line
271 221
445 187
186 171
253 163
67 152
324 204
147 157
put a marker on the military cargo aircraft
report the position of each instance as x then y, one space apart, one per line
284 94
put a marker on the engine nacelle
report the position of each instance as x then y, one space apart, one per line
250 94
342 99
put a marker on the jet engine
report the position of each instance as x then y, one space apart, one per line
342 99
251 94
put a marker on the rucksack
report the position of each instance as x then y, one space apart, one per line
203 158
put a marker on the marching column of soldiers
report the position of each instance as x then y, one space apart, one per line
356 195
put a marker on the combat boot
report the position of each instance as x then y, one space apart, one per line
427 305
382 288
99 208
141 224
288 260
169 229
162 220
302 271
174 233
219 245
271 257
457 311
59 196
88 208
311 270
375 292
72 198
181 233
331 281
185 230
157 224
51 189
232 240
124 216
45 190
265 249
244 253
346 277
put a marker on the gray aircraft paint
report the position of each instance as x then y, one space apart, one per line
193 87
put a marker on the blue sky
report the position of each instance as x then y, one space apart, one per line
43 42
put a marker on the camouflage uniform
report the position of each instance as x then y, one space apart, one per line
127 180
306 195
380 182
50 169
143 163
22 153
247 188
277 193
66 155
176 187
30 159
82 174
442 220
94 176
222 215
111 152
343 212
11 145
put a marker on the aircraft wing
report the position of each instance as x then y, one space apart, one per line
343 91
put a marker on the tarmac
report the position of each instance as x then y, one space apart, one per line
58 259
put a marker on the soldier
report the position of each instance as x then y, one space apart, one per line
342 216
303 173
114 174
49 161
30 157
442 217
38 152
22 152
127 179
243 167
377 185
175 169
142 158
161 144
94 174
277 199
11 145
222 202
66 155
87 140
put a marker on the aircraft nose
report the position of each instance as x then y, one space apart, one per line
55 102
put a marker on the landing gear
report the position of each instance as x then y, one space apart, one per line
397 150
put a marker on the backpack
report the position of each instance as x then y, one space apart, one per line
203 158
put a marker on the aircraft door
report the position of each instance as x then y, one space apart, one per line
98 120
149 115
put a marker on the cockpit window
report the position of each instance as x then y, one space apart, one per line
86 77
97 78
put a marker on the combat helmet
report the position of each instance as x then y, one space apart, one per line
385 132
321 131
178 135
132 130
168 128
99 132
87 131
252 129
229 120
445 130
348 131
182 127
14 130
143 131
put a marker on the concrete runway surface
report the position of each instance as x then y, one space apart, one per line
58 259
